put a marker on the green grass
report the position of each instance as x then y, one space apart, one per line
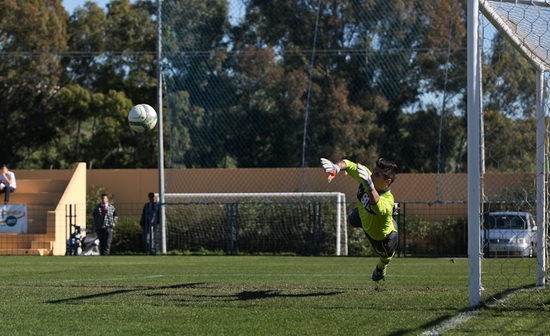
248 295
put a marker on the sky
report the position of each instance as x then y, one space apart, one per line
70 5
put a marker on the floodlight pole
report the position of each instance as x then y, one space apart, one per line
160 127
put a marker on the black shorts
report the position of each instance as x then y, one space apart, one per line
385 248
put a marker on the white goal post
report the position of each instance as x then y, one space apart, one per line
335 199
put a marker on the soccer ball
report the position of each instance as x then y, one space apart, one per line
142 118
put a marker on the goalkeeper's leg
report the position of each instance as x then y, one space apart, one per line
354 220
386 250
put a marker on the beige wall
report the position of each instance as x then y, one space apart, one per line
55 192
130 186
434 196
126 185
133 185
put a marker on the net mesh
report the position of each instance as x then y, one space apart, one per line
514 35
252 223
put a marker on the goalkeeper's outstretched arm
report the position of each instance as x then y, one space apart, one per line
364 175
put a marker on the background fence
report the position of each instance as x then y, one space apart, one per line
280 84
298 228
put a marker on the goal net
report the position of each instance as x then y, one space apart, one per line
309 223
512 58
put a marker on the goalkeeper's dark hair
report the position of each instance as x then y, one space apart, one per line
388 167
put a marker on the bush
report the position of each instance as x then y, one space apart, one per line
127 236
444 238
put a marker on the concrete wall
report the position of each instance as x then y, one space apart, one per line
434 196
130 186
48 194
133 185
74 195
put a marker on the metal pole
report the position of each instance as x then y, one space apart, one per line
474 126
160 127
541 181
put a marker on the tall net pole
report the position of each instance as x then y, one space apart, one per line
541 181
160 127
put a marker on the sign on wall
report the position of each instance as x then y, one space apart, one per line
13 218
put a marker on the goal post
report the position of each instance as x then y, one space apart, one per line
268 222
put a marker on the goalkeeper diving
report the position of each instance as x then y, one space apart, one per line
375 206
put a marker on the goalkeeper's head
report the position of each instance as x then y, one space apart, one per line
387 168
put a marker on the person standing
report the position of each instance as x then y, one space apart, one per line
105 219
7 183
375 206
149 220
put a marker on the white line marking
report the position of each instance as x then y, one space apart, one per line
450 324
455 321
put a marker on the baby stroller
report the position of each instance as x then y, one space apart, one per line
79 244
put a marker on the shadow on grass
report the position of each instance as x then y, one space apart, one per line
524 296
241 296
121 291
266 294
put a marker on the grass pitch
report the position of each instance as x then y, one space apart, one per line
247 295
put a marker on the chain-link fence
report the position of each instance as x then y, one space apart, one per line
279 84
268 84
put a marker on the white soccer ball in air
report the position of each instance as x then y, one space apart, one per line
142 118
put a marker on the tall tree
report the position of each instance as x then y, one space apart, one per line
509 80
112 58
195 52
509 143
32 33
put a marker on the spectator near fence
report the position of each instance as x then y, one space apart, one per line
105 219
7 183
149 219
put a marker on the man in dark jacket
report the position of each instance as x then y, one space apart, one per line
105 220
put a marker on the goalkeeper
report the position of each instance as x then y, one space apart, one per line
375 206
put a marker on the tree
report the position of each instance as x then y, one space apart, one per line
366 71
31 34
112 58
267 112
427 147
509 81
195 55
509 143
87 42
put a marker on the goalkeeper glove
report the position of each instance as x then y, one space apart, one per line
365 176
330 168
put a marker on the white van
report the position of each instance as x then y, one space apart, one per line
510 234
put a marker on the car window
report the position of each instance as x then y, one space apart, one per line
510 223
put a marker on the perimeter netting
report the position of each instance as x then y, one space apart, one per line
256 223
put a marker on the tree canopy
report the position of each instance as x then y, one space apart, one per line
287 82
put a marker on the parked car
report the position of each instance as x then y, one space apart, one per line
510 234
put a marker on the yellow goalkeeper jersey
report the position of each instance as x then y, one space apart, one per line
377 219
